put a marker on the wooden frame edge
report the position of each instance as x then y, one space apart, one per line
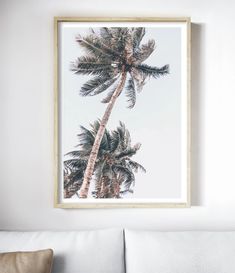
120 205
56 152
57 203
122 19
189 118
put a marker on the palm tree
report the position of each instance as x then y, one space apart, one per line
114 58
114 168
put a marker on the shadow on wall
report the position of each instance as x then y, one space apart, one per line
197 95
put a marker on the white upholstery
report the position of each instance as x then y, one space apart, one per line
179 252
99 251
102 251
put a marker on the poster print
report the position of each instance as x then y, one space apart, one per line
122 112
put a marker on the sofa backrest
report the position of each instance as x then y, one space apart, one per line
132 251
98 251
179 252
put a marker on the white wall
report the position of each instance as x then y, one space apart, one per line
26 116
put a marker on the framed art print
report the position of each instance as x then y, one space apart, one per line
122 112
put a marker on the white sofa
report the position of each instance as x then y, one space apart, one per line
129 251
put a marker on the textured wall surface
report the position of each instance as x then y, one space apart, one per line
26 116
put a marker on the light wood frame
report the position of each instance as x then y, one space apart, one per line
57 203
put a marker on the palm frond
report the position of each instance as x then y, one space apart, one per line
121 129
120 36
131 93
114 32
95 127
126 153
92 31
76 164
105 41
96 85
90 65
91 85
144 52
108 138
139 78
105 33
109 37
86 138
110 94
76 176
103 86
75 154
92 47
72 188
72 183
105 142
115 140
127 139
136 166
127 175
83 152
123 192
73 176
124 138
129 47
152 71
137 34
97 47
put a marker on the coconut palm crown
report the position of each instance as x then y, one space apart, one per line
115 61
112 52
114 172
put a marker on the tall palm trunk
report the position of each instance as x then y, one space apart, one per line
94 152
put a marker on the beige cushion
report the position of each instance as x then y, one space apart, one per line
26 262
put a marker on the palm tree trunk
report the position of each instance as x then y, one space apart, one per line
98 187
104 191
93 155
98 183
115 187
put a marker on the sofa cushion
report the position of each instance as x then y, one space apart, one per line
26 262
179 252
97 251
